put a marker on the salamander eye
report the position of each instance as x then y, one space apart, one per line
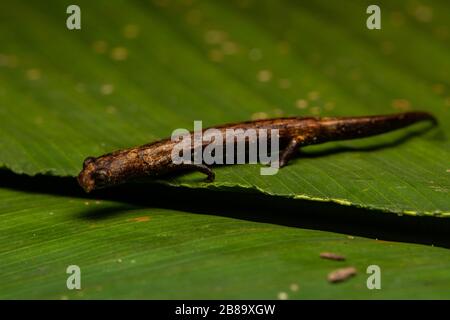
88 161
101 177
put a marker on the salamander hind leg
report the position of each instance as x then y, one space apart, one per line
201 168
291 149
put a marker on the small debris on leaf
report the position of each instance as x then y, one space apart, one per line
332 256
140 219
342 274
294 287
283 296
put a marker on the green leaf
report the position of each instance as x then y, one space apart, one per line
130 246
136 71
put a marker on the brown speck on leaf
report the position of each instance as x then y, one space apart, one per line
131 31
301 104
106 89
384 242
259 115
438 88
264 75
100 46
401 104
33 74
140 219
283 296
447 102
3 59
387 47
340 275
332 256
215 36
111 110
8 60
397 18
283 47
442 32
294 287
315 110
284 83
215 55
119 53
423 13
229 47
278 112
313 95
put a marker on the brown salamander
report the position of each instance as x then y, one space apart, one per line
155 159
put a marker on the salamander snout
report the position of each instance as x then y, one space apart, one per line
85 178
93 176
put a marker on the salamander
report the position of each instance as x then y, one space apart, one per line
155 159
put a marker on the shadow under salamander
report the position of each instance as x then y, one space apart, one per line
246 206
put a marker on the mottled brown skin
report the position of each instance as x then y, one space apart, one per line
155 159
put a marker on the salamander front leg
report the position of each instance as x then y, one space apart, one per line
201 168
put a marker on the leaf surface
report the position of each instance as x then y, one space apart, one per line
127 248
136 71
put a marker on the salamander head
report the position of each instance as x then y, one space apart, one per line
110 169
94 175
